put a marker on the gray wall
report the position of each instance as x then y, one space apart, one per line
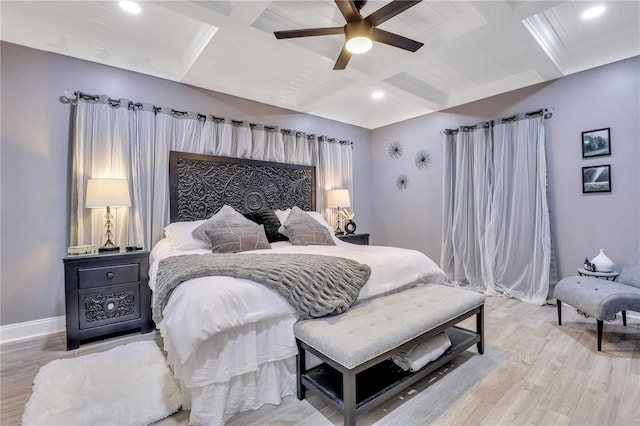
34 162
35 147
607 96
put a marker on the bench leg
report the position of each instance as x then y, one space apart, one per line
559 311
624 318
349 398
599 335
300 369
480 329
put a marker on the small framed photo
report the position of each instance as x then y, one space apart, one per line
596 143
596 179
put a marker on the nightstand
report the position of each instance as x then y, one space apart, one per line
106 294
361 239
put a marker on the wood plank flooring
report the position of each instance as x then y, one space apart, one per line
533 372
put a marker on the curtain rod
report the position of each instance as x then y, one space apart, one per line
545 112
70 97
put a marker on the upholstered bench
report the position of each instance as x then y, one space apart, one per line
357 374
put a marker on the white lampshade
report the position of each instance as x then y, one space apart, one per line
107 192
338 198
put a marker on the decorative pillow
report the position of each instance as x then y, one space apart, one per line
225 218
304 230
179 235
631 273
271 224
234 239
283 215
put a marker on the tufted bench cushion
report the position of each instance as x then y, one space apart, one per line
598 298
376 326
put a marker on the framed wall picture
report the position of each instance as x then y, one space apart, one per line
596 143
596 179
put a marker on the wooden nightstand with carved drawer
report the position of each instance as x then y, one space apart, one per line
106 294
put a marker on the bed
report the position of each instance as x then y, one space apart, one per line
229 340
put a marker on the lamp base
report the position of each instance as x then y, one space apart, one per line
108 247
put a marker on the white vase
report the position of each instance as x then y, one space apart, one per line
602 263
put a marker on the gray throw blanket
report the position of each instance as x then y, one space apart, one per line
314 285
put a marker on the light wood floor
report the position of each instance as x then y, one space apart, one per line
533 372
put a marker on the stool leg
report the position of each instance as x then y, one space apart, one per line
624 318
559 311
480 329
599 335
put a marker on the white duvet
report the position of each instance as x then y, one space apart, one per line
200 308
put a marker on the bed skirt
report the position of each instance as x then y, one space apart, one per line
236 370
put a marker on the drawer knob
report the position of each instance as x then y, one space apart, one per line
110 275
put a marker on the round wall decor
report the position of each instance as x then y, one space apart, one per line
423 159
395 150
402 182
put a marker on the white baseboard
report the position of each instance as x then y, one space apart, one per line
30 329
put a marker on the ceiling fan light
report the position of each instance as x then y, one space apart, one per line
359 44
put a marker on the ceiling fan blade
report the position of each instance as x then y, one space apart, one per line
308 32
389 11
343 59
395 40
348 10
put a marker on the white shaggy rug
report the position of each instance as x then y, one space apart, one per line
127 385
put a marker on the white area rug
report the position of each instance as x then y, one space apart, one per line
127 385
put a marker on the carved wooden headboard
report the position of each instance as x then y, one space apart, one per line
201 184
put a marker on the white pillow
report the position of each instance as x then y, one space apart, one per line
179 235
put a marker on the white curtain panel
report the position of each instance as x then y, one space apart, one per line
335 165
102 132
134 143
496 224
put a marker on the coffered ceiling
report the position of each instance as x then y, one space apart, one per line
472 49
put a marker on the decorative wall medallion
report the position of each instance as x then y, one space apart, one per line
395 150
402 182
423 159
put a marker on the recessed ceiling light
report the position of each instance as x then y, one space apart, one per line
130 6
378 94
593 12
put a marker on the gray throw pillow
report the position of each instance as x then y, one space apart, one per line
304 230
235 239
631 273
225 217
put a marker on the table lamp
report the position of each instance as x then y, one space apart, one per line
107 193
338 198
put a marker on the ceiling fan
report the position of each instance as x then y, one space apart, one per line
361 32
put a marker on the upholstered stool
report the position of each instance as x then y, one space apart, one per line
602 299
